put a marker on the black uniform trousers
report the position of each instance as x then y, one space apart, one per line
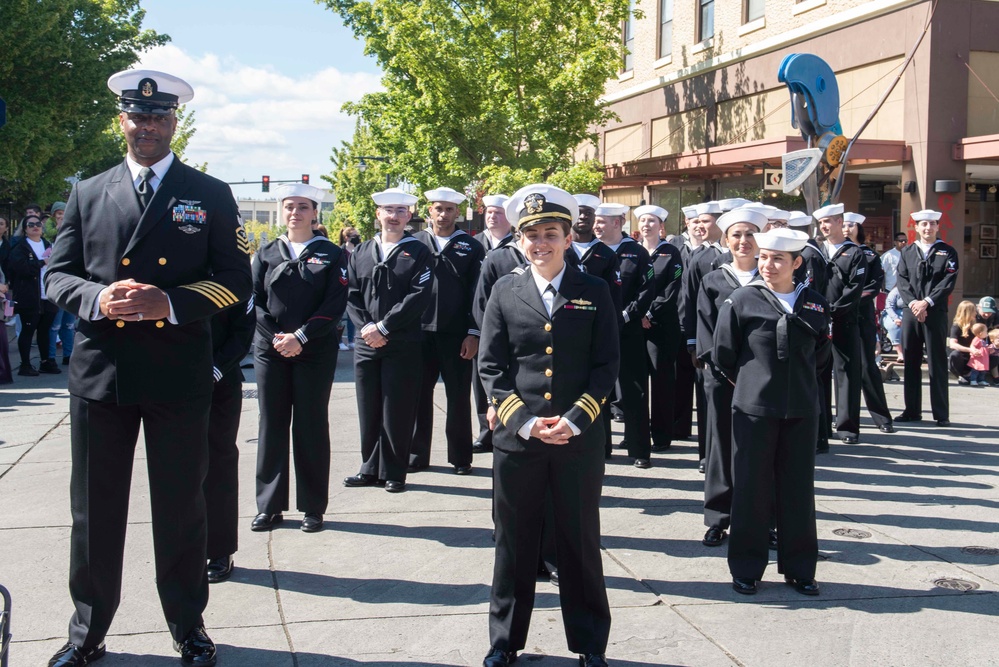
294 393
871 383
683 414
702 413
718 464
632 386
846 367
773 458
441 358
933 334
662 387
222 482
388 384
103 446
574 476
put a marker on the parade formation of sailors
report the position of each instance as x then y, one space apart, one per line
550 316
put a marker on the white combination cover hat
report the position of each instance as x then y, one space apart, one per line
927 214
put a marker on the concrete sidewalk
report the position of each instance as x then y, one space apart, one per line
907 528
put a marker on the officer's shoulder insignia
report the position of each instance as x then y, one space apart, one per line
519 270
582 302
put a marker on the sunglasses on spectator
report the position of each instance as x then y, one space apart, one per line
33 224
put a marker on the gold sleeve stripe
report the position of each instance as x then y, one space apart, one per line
589 406
208 295
508 407
217 290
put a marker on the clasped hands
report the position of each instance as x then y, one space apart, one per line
287 345
549 430
373 337
133 302
919 309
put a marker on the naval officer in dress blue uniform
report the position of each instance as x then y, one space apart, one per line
548 360
149 251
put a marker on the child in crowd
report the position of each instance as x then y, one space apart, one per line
994 355
978 363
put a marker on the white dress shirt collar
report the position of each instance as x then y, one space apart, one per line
159 170
542 283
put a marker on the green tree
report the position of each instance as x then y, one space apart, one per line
484 82
57 57
581 178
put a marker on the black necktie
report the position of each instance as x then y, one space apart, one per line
145 190
549 299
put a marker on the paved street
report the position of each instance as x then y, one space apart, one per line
904 520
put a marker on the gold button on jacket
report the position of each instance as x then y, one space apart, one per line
126 261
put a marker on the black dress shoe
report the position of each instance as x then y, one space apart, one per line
592 660
905 417
498 658
312 523
803 586
886 428
772 539
49 366
744 586
463 470
714 537
700 466
196 649
360 479
71 655
662 447
943 422
395 487
643 463
850 439
219 569
479 447
414 467
553 577
27 370
264 521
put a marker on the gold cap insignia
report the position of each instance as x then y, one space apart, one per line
535 203
582 302
147 88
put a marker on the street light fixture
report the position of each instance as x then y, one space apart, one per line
362 166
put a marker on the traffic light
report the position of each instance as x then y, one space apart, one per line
305 178
265 183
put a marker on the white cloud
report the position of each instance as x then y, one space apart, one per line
253 120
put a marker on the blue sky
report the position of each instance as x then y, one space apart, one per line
269 80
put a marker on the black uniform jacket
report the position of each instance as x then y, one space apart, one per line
668 268
847 273
391 292
600 261
489 244
23 271
933 276
771 354
188 242
716 287
535 366
232 333
698 266
637 281
456 272
304 296
814 269
497 264
875 273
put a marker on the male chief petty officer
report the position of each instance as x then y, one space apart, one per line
149 251
548 359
